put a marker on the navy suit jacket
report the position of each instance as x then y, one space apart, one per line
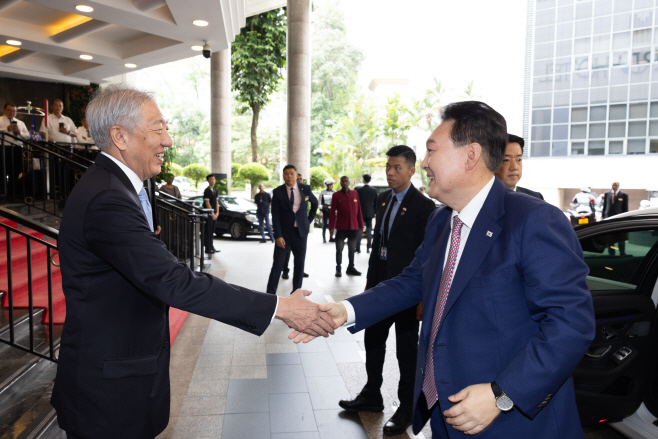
519 312
263 203
529 192
283 217
368 199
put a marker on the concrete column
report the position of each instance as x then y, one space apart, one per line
220 113
299 86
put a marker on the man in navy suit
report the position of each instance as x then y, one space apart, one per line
291 224
507 314
263 201
511 169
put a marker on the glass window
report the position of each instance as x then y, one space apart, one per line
596 147
545 17
543 83
619 94
641 56
581 79
579 114
579 97
601 43
617 260
582 45
654 72
541 132
561 115
636 146
563 65
654 91
621 22
602 25
561 98
583 10
543 68
640 74
578 131
637 129
622 6
619 76
637 111
618 112
564 31
641 4
653 146
616 147
642 38
598 113
577 148
564 14
653 128
597 131
620 58
621 40
562 82
559 149
563 48
583 28
545 50
642 18
581 63
540 149
653 112
639 92
545 4
602 7
540 100
617 129
565 2
540 117
601 61
560 132
544 34
598 95
655 33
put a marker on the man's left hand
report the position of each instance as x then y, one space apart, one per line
157 230
474 410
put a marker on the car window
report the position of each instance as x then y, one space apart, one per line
618 260
237 203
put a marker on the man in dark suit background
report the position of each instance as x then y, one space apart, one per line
210 202
507 314
291 225
119 281
614 203
263 201
511 169
404 211
368 199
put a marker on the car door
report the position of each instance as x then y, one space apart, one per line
612 378
225 216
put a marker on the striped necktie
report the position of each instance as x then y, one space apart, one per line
146 206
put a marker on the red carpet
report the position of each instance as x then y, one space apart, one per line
19 270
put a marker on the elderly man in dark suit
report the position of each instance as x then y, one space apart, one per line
401 218
511 169
119 281
291 225
368 200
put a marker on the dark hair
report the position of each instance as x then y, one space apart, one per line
58 100
511 138
366 178
8 104
208 176
476 122
285 168
344 176
403 151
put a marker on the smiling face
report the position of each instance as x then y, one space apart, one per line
510 170
57 108
144 149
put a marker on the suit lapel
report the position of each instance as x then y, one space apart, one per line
113 168
403 207
478 244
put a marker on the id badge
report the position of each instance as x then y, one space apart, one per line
382 253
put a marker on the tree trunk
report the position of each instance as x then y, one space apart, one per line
254 128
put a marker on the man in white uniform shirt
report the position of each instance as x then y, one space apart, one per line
60 128
84 135
11 125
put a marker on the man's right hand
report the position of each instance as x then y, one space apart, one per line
280 242
336 311
303 315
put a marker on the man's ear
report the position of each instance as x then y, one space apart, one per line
118 136
473 155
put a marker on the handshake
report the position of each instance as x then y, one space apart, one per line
307 319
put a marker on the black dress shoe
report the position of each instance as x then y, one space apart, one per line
358 250
263 241
368 251
305 274
338 274
332 239
398 423
352 271
361 404
284 275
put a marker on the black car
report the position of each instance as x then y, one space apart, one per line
237 216
616 380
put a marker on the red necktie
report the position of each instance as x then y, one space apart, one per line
429 385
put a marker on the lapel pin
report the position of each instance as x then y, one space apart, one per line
383 204
489 234
404 209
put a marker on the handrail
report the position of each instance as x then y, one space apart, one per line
43 148
89 162
171 198
27 222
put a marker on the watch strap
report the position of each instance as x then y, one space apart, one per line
497 391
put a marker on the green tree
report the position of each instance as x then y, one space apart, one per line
469 93
255 173
258 58
394 122
196 173
318 176
235 172
175 169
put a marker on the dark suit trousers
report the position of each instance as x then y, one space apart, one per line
264 220
210 231
352 238
298 246
368 223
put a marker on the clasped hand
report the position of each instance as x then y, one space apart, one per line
335 311
305 316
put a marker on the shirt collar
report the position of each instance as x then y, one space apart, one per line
400 195
134 179
470 212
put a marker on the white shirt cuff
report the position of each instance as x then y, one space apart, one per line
275 308
351 316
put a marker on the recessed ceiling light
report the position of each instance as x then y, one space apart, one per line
84 8
86 57
18 43
130 65
200 23
197 48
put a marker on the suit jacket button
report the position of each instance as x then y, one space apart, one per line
165 344
422 371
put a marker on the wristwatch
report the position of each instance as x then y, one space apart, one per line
503 402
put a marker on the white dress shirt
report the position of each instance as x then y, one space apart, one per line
24 133
468 215
84 136
53 129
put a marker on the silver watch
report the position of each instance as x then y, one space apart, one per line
503 402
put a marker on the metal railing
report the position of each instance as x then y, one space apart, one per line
51 251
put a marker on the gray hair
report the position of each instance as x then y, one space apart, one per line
117 104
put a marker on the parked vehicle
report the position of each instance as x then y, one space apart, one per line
237 216
616 380
581 214
183 184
